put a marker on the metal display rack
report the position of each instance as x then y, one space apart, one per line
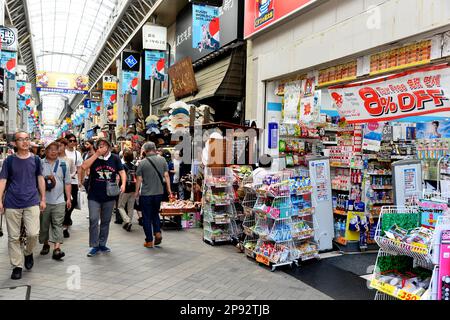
423 255
219 213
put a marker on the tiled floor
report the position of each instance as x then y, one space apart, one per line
184 267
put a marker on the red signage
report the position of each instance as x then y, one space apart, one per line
262 13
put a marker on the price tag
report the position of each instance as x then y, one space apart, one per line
263 259
403 295
419 248
383 287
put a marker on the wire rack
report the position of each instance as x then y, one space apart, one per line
443 197
422 255
249 224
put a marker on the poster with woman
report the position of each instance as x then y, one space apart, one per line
205 27
436 129
155 64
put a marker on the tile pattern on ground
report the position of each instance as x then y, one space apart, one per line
184 267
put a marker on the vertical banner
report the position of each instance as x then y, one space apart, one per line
155 64
110 104
130 81
2 83
206 27
8 63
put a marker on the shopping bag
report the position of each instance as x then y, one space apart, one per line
82 201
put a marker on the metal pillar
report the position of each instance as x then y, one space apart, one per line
120 96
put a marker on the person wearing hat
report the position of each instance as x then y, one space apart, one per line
104 169
57 183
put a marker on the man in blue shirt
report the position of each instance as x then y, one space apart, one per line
21 178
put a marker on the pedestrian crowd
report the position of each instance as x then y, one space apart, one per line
40 190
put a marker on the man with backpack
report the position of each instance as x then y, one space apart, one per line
127 199
57 181
21 177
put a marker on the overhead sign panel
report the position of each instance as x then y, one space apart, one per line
154 37
9 38
62 83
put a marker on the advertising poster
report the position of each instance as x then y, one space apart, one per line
23 90
433 130
410 180
110 104
2 83
8 63
373 135
308 110
321 179
205 27
62 83
155 64
292 96
411 93
130 82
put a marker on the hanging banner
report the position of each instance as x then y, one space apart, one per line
292 94
130 81
412 93
205 27
8 63
62 83
155 64
23 90
110 104
373 134
260 14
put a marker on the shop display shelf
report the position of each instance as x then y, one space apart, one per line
302 236
340 190
374 187
382 203
420 252
340 212
379 174
331 143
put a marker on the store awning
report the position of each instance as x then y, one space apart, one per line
223 78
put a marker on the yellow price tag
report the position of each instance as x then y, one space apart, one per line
383 287
419 248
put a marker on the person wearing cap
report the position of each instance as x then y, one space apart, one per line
58 183
103 166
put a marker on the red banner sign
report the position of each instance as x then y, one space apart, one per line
412 93
261 13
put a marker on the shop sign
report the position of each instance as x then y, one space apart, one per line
96 96
337 74
400 58
130 61
183 79
8 63
200 29
155 65
412 93
154 37
260 14
62 83
9 38
109 82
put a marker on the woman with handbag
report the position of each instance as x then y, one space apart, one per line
104 171
150 175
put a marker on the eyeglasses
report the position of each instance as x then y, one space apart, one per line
23 140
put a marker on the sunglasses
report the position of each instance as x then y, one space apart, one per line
72 140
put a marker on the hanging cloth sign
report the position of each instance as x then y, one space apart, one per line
292 94
412 93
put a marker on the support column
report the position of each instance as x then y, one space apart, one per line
120 96
12 106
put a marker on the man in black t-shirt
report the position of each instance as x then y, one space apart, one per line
103 166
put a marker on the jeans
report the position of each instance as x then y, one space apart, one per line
150 214
68 215
14 218
99 211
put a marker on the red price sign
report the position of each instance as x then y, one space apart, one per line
403 295
263 260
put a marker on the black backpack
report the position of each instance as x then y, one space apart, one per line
131 178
